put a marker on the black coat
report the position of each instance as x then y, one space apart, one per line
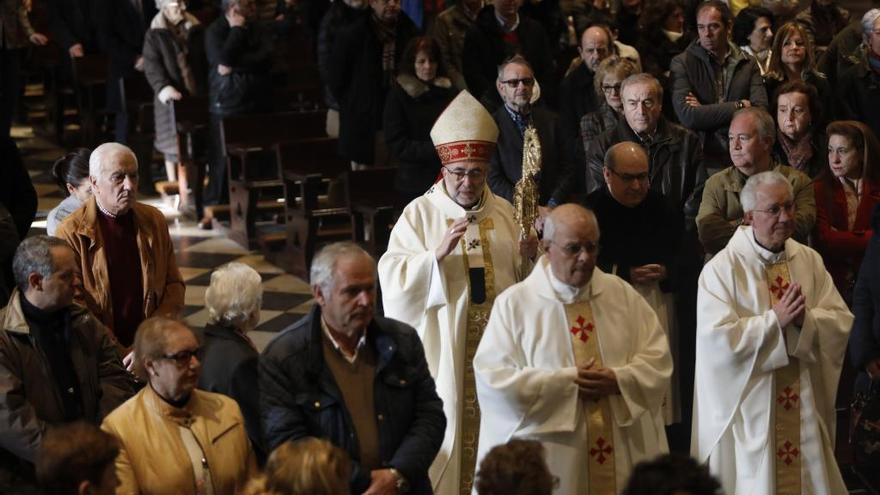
300 398
248 51
161 50
121 31
505 166
578 96
411 109
229 367
675 164
864 341
356 80
859 92
337 17
485 49
73 21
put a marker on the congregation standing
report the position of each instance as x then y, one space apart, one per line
700 257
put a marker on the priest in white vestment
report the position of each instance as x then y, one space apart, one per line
771 335
451 252
575 358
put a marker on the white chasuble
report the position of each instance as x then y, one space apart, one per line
764 395
527 362
448 302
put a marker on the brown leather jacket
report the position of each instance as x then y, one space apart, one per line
163 286
28 404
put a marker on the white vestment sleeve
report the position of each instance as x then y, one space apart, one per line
532 400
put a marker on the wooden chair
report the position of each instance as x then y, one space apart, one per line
90 74
249 145
137 97
373 211
191 118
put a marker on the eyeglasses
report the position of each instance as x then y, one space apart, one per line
611 88
513 83
183 358
473 174
776 210
575 249
642 177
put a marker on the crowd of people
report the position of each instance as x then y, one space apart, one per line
701 255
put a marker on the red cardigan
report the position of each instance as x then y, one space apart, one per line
840 247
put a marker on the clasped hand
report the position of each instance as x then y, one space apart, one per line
791 307
594 383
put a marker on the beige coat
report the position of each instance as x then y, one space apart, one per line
153 458
163 286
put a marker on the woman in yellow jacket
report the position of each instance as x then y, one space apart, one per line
175 438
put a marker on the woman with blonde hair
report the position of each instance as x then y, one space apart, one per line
311 466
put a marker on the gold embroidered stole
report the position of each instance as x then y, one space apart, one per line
477 318
787 418
585 342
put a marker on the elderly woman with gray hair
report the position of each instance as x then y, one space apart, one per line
229 365
176 66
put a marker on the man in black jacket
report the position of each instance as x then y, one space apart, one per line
71 23
360 381
577 92
515 84
57 362
239 55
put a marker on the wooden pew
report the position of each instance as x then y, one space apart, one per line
137 97
372 199
191 120
90 75
309 167
249 145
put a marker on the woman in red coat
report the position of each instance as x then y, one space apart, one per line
846 192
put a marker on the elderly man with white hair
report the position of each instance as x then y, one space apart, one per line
771 335
229 360
123 250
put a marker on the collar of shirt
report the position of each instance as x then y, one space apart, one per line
852 185
568 293
351 358
105 212
765 254
503 23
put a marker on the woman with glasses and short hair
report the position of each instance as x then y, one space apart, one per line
846 193
174 438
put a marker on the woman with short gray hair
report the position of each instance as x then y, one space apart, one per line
229 365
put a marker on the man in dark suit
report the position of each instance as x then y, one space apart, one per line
72 24
122 25
515 84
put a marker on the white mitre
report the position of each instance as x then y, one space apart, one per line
465 131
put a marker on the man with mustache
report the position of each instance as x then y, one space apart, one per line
355 379
771 335
451 252
575 358
751 136
122 248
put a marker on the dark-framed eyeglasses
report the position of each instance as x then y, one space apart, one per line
183 358
641 178
777 209
526 81
460 173
611 88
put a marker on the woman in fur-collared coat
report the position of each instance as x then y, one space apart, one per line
419 95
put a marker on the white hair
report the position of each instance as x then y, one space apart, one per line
550 224
234 296
102 153
868 22
749 195
323 267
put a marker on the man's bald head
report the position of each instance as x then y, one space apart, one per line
626 173
571 239
595 46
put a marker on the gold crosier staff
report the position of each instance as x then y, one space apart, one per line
525 193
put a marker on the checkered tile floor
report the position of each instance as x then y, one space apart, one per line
286 298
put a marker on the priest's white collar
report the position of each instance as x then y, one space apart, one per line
568 293
765 254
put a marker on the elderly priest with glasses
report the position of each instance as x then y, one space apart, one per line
451 252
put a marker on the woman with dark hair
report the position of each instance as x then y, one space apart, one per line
793 58
662 37
71 173
800 143
846 193
517 467
753 33
420 93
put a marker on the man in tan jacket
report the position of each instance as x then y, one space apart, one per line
113 230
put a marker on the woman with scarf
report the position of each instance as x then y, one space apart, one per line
176 67
800 142
846 192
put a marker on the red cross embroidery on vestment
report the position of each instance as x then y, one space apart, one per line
779 287
788 453
582 331
788 398
601 450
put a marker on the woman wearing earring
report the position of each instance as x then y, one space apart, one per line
174 438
